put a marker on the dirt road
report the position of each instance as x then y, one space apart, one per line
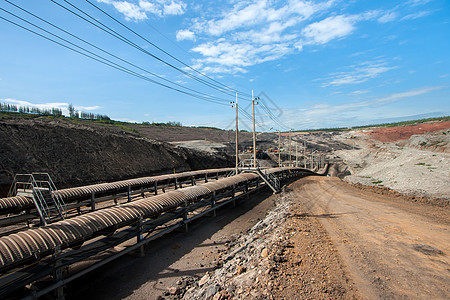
391 248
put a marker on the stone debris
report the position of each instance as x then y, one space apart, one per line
247 264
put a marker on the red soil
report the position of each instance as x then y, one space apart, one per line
393 134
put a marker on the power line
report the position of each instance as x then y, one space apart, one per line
165 52
272 116
100 49
117 35
115 66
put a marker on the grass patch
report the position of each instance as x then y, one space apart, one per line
377 182
420 164
127 128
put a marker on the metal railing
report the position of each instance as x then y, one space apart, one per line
41 188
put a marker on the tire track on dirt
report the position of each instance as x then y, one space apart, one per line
390 252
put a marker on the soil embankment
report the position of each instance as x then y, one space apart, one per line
76 154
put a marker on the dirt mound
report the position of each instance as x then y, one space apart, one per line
76 154
393 134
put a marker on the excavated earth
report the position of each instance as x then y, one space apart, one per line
412 160
79 153
380 232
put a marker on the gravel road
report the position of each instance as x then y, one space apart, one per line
392 248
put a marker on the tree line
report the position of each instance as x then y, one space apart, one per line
5 107
170 124
84 115
56 112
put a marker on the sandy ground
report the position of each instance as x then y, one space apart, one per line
392 248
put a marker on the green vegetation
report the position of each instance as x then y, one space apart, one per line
74 115
126 128
209 127
168 124
12 108
423 164
377 182
54 112
384 125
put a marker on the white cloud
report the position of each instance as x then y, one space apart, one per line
246 14
131 11
231 57
411 93
360 73
417 2
150 7
174 8
255 31
348 113
137 11
252 32
185 35
360 92
249 33
332 27
416 15
80 107
388 17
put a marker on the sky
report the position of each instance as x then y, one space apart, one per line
313 64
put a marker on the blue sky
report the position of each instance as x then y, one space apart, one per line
315 64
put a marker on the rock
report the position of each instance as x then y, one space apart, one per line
277 258
211 291
204 279
240 270
174 290
222 295
264 252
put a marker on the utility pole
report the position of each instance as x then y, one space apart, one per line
254 129
290 155
296 153
235 105
312 159
279 152
304 153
